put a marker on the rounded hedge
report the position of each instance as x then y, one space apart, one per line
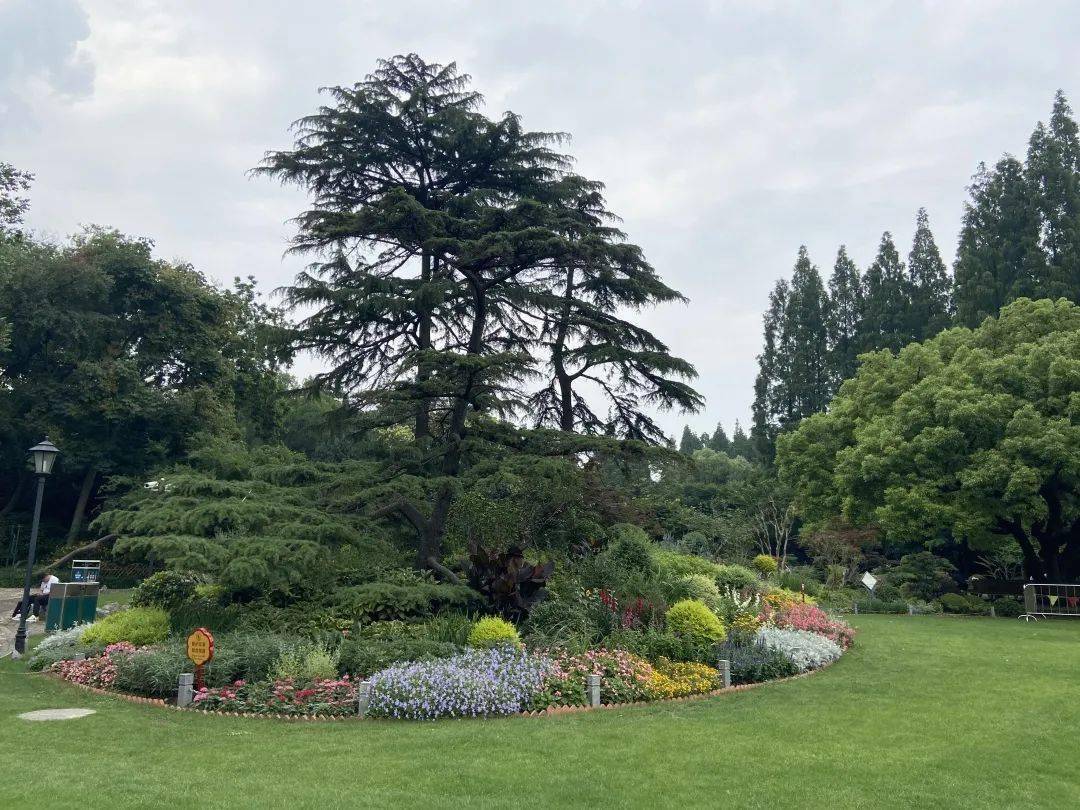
491 631
138 626
765 565
692 617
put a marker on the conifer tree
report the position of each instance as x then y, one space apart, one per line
886 314
1053 170
998 258
741 444
770 391
689 442
842 325
804 340
929 283
719 441
590 344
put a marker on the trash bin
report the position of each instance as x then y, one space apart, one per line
71 603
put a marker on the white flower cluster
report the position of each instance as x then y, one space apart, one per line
805 649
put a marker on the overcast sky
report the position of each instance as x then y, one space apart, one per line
727 133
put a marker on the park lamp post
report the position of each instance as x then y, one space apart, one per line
43 456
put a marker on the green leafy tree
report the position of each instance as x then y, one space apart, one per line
119 357
742 446
969 438
13 205
929 282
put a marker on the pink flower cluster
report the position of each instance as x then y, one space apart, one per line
624 677
98 672
805 616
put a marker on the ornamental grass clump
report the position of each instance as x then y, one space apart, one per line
476 683
806 650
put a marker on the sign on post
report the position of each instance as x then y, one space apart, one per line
200 649
870 581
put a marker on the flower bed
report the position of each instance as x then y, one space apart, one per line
333 698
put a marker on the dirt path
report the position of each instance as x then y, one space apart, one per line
9 597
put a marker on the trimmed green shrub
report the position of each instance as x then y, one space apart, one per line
701 588
690 617
924 575
673 565
1008 608
765 565
492 631
737 577
305 663
165 589
963 604
139 626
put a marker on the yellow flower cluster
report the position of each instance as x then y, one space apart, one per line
670 680
783 599
745 624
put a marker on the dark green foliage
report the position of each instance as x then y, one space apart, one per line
755 663
929 282
154 673
895 606
1008 608
165 589
924 575
842 324
886 318
738 577
409 597
689 442
12 205
963 603
361 657
653 644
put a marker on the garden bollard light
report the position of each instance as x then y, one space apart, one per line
993 613
184 689
856 606
910 610
80 657
725 672
592 682
363 697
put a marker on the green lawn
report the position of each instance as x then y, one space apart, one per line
923 712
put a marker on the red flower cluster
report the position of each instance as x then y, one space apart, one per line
329 697
631 615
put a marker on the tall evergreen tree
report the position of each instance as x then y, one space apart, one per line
842 324
998 258
741 444
770 392
929 283
886 315
689 442
804 339
1053 170
588 341
719 441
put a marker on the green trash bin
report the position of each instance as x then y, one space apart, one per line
71 603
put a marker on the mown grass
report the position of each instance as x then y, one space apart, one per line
923 712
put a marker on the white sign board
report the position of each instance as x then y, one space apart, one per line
869 580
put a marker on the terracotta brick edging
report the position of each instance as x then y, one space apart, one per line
551 711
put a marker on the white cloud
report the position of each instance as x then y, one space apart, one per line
728 133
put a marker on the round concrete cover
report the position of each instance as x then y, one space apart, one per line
56 714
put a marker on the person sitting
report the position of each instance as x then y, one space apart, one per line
38 601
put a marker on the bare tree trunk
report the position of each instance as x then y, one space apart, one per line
80 506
